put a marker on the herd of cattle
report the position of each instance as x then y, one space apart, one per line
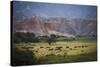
59 50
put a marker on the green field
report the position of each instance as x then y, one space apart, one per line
63 50
67 54
67 59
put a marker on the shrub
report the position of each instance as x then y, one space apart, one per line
22 57
24 37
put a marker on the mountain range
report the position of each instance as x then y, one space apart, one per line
62 26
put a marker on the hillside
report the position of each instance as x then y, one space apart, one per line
69 27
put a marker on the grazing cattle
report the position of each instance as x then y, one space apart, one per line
70 48
79 46
50 49
35 50
41 47
75 46
83 46
47 47
58 48
67 46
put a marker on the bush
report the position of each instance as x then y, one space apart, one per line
19 58
24 37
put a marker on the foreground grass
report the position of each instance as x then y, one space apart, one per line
28 58
31 57
67 59
89 55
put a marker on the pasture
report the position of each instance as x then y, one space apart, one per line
61 52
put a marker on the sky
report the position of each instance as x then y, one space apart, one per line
29 9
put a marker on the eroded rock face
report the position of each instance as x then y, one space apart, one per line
56 25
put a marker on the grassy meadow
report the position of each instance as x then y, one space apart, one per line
61 50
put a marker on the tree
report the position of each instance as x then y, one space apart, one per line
51 38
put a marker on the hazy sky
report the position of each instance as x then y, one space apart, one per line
29 9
